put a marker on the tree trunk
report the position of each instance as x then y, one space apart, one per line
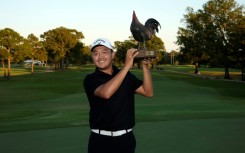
196 68
227 74
226 64
4 69
9 67
62 63
172 58
138 63
67 63
243 72
32 66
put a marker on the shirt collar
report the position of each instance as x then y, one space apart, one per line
114 68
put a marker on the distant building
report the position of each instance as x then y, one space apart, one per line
29 62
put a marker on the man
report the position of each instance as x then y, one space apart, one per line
110 93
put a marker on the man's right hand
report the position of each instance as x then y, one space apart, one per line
131 53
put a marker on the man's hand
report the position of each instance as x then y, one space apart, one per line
131 53
148 61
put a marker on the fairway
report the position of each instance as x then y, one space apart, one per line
48 112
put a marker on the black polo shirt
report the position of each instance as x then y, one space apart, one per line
116 113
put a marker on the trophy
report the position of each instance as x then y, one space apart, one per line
144 53
143 33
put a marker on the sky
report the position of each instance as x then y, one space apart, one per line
110 19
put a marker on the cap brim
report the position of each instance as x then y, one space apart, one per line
95 47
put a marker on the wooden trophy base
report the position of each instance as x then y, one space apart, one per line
143 53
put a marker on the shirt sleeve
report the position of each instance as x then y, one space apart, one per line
90 84
135 81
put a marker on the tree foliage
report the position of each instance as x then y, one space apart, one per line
155 44
121 50
214 33
34 50
59 42
9 42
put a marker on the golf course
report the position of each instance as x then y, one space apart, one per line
47 112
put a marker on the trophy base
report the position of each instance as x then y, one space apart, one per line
143 53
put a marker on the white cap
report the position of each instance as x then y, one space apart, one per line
101 42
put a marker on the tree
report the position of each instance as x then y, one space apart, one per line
157 45
86 55
59 42
225 16
3 56
34 50
213 32
121 50
9 41
172 56
80 54
192 38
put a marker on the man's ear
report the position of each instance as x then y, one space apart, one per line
113 54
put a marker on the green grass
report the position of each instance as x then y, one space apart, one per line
187 112
51 99
43 100
206 72
186 136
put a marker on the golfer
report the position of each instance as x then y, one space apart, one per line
110 92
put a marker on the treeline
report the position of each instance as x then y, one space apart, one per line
213 36
58 47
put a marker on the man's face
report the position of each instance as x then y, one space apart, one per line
102 57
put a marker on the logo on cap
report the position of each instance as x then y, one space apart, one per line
99 41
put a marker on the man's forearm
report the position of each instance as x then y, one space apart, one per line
108 89
147 82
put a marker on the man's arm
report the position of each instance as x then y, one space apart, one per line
109 88
146 89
